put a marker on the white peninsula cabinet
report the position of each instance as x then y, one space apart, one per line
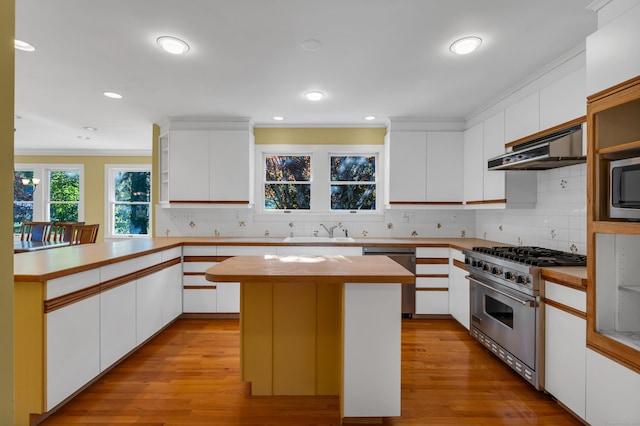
95 317
206 162
425 167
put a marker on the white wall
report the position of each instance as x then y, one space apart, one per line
558 221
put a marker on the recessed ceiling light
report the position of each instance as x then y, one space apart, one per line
465 45
91 129
113 95
278 118
173 45
311 45
314 96
84 138
23 45
370 117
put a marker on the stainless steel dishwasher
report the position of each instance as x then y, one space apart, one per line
405 256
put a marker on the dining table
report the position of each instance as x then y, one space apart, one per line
25 246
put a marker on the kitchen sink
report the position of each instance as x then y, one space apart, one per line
318 240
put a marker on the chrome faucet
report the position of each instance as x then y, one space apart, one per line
330 230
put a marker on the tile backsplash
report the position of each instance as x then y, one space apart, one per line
558 221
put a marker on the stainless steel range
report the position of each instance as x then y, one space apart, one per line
507 314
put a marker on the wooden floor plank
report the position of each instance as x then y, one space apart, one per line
189 375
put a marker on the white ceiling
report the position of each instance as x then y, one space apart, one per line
387 58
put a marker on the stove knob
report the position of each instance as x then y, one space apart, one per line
467 261
496 271
521 279
486 267
474 263
509 276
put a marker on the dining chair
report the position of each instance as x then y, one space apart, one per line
35 231
61 231
84 234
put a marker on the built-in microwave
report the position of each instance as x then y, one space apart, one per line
624 189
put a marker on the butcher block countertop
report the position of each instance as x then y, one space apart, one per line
48 264
356 269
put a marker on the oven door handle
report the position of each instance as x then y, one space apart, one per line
528 303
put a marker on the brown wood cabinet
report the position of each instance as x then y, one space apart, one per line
613 245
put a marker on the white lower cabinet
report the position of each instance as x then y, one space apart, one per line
565 346
149 295
432 281
171 281
73 348
459 294
613 392
228 297
117 323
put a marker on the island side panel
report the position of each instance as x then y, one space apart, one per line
328 338
372 346
256 336
29 350
294 338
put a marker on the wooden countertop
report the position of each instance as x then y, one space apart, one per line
49 264
356 269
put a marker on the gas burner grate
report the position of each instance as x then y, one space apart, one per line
534 256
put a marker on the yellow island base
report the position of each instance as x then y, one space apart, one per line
321 325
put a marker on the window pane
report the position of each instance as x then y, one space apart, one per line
131 219
287 196
22 212
288 168
63 212
64 185
22 192
353 197
353 168
133 186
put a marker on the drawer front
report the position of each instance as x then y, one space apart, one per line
197 266
432 302
246 250
199 251
575 299
199 300
431 269
432 252
425 282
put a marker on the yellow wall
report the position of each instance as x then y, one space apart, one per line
320 135
94 184
7 60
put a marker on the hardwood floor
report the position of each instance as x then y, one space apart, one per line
189 375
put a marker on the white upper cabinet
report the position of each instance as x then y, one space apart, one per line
425 167
207 164
408 166
564 100
229 159
522 118
188 165
612 52
445 160
474 165
493 144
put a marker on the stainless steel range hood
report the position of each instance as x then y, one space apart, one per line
557 149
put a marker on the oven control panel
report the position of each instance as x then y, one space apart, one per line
507 273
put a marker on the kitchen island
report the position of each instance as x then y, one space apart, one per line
321 325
